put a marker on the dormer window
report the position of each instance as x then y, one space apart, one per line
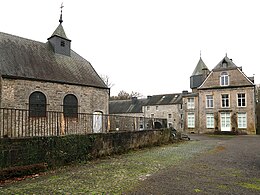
62 43
224 79
224 64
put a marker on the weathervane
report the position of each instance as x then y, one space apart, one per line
61 13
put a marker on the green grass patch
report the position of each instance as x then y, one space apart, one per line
114 175
255 185
223 187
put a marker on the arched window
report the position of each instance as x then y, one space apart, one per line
224 79
37 104
70 106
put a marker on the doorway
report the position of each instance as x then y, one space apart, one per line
225 121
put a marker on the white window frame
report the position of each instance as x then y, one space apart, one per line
210 120
191 120
156 108
209 102
240 100
169 115
242 120
224 79
224 103
191 104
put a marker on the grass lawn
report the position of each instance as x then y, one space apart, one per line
111 175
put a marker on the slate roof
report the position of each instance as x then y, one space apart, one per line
135 105
229 64
28 59
60 32
165 99
126 106
199 68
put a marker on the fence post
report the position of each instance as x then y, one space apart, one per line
62 124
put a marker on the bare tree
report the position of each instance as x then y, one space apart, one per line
135 94
107 81
123 95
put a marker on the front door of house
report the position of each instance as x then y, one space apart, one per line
97 122
225 121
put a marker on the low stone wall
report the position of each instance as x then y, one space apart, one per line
57 151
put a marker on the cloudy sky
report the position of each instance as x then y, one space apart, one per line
146 46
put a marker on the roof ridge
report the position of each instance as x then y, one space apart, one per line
15 36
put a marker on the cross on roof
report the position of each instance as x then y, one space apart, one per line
61 6
61 13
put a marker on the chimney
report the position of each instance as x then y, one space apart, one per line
134 99
185 92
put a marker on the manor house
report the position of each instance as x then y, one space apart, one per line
222 100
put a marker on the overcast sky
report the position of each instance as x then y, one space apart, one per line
146 46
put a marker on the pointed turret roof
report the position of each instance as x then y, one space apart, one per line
225 63
59 32
199 68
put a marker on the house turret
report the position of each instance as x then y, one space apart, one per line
199 74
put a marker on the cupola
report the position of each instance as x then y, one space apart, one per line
59 41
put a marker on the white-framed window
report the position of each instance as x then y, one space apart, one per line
225 100
241 100
169 115
156 107
148 108
191 120
210 120
224 79
242 120
190 104
152 115
209 101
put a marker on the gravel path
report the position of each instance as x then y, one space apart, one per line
232 167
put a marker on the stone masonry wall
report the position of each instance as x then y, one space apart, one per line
233 109
15 94
60 150
163 111
236 78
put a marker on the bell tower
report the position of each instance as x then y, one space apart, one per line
58 40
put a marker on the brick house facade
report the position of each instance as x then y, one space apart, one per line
223 101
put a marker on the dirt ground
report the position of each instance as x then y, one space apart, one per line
232 167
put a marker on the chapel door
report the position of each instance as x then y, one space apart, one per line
225 121
97 122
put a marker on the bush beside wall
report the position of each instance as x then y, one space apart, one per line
57 151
